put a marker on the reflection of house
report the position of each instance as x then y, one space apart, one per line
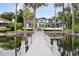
3 23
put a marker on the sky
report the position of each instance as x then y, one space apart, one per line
44 11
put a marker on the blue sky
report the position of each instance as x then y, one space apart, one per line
6 7
44 11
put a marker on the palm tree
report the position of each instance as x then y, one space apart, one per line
15 27
27 14
55 17
34 7
72 12
67 15
16 17
24 22
56 5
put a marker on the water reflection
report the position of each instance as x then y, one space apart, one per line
67 45
64 45
12 45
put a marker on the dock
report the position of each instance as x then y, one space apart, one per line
40 45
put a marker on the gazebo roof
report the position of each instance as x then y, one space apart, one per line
2 20
42 18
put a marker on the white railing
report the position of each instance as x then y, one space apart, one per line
53 28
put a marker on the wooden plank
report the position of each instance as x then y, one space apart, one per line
39 47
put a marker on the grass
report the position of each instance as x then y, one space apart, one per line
67 30
4 29
51 30
30 30
21 30
18 30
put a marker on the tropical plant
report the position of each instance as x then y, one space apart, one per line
20 16
72 12
15 17
34 7
27 14
12 24
8 15
56 5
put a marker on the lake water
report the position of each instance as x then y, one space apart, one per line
65 45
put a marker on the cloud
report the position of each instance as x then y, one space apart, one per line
20 6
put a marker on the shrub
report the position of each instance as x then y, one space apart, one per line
76 27
12 24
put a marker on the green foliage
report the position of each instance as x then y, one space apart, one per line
69 42
12 24
68 30
19 25
20 16
27 14
2 29
76 27
8 15
58 4
66 15
20 30
34 6
11 43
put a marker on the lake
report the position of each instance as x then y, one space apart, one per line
65 45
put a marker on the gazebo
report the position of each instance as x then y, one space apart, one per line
3 23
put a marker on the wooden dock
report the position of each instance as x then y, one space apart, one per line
39 46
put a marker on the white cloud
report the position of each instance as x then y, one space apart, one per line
20 6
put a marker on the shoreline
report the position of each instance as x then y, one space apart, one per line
12 33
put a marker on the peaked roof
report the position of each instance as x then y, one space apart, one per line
2 20
42 18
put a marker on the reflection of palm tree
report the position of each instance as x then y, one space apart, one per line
11 43
67 45
70 44
15 47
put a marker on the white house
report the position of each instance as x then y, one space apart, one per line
49 24
42 22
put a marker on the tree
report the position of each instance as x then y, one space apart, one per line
27 14
34 7
68 16
72 12
56 5
20 16
75 15
15 17
8 15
